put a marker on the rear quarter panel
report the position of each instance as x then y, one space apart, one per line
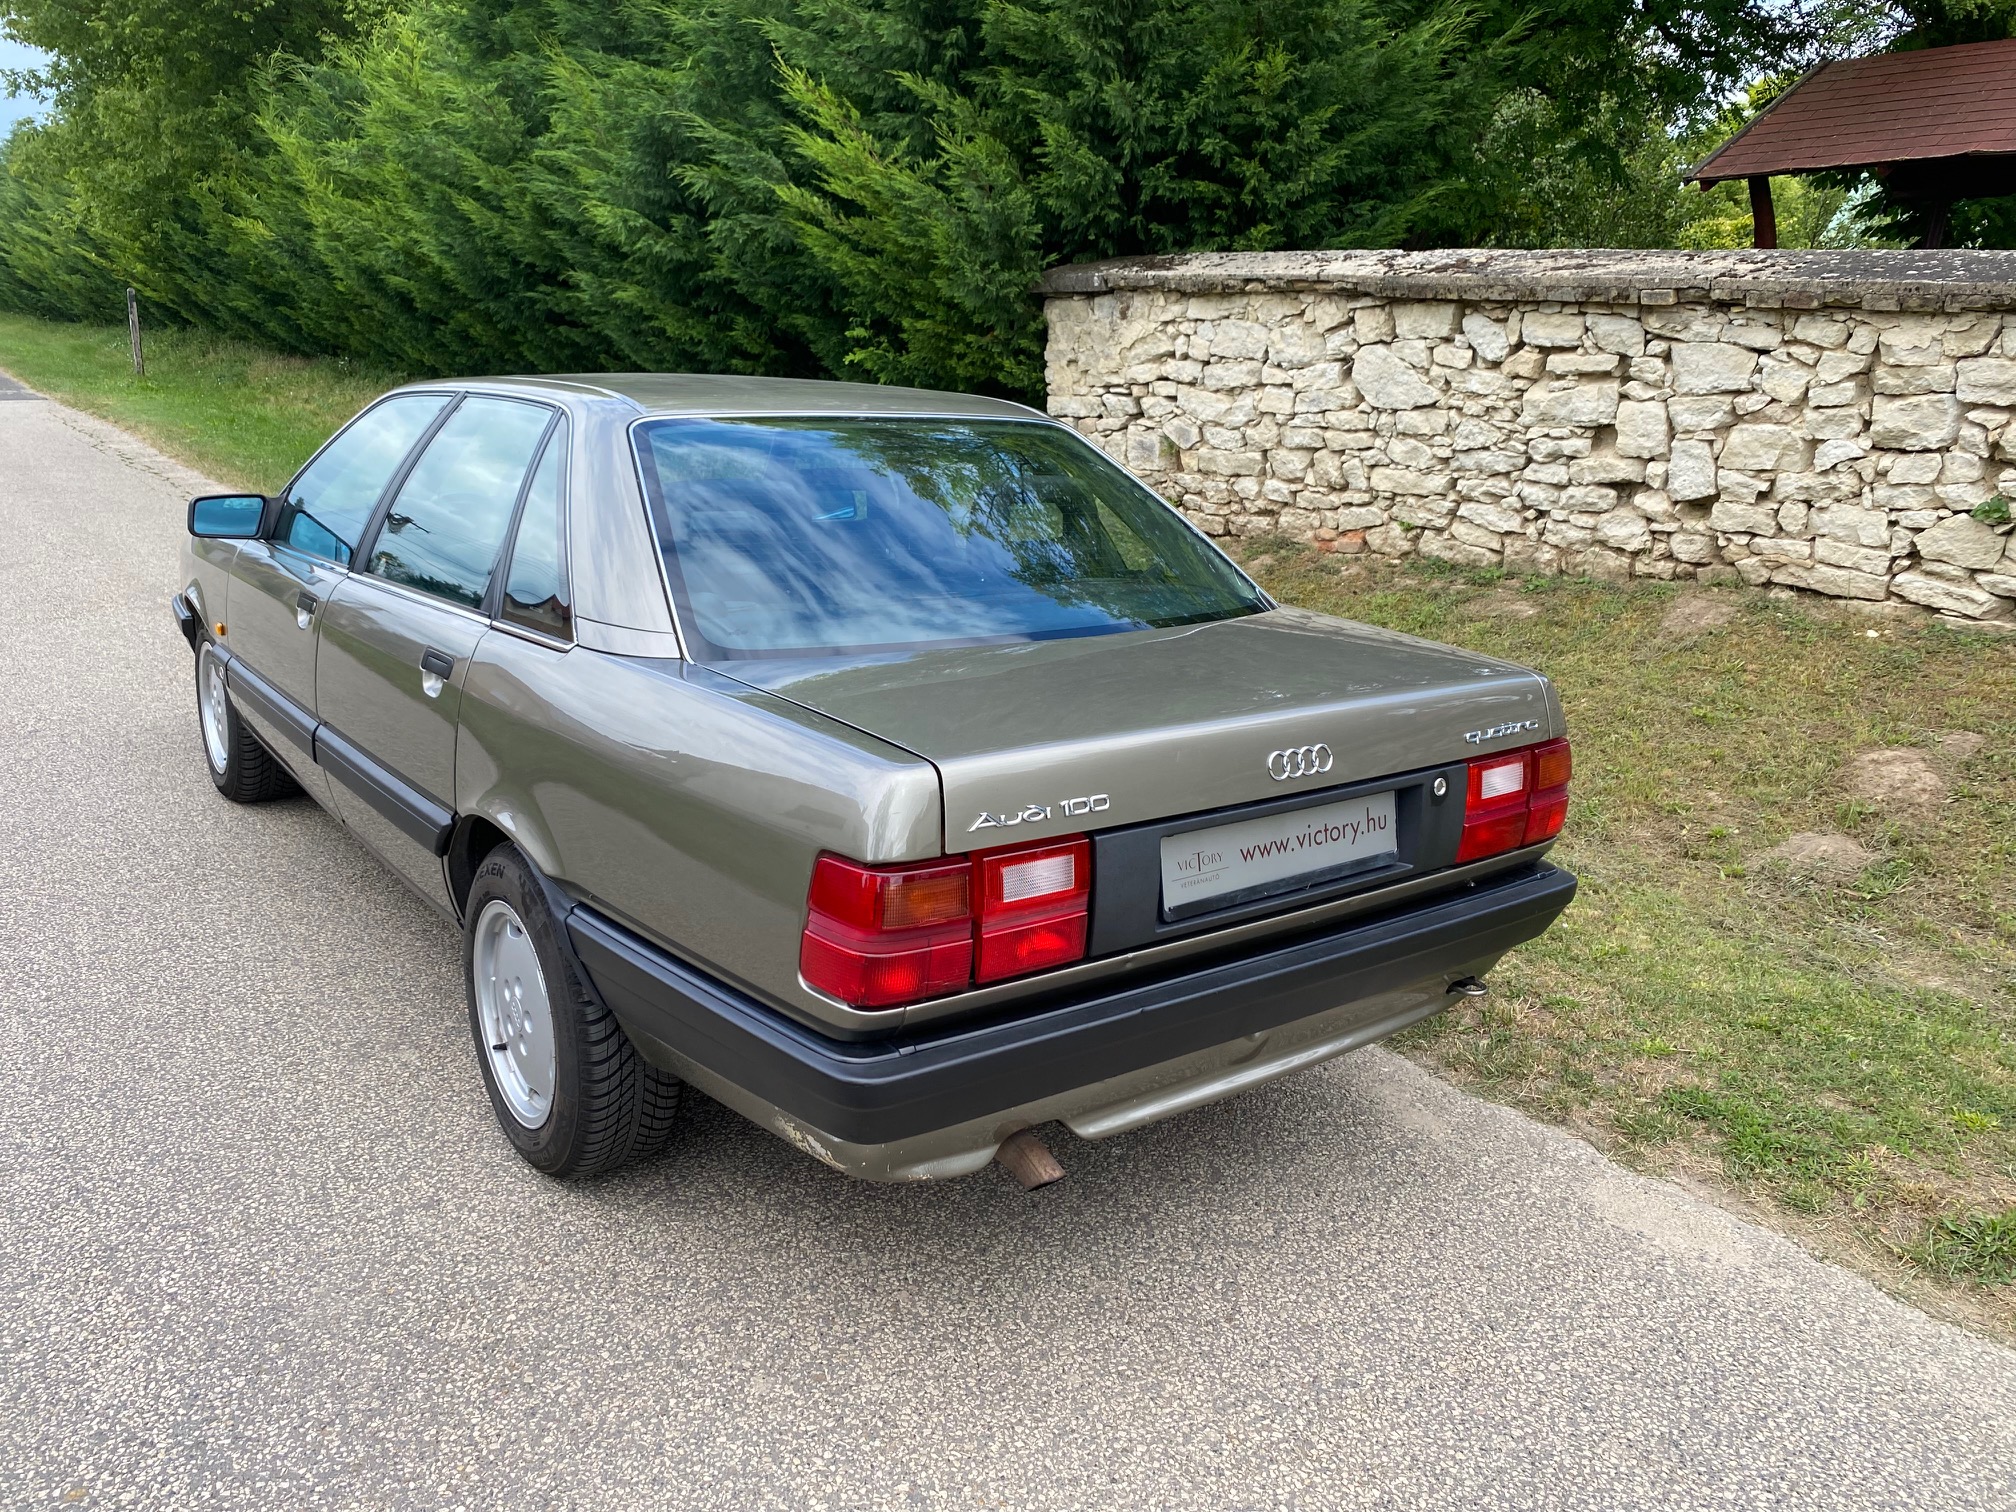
686 806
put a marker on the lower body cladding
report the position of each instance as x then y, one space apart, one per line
920 1105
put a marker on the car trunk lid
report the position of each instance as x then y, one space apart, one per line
1040 738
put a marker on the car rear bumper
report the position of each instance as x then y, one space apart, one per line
924 1104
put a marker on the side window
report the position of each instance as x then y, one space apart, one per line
535 590
325 510
445 530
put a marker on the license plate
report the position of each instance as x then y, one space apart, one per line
1257 858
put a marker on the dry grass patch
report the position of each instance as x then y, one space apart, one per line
1834 1045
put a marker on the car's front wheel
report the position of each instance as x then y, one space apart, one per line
243 769
569 1089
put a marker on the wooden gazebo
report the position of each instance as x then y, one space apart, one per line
1937 125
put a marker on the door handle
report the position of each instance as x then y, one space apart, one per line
436 667
304 609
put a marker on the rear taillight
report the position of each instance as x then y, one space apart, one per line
1032 908
881 936
1514 799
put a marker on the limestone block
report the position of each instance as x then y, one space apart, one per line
1690 547
1541 330
1566 535
1371 323
1961 467
1833 453
1150 451
1963 541
1954 598
1783 379
1448 549
1360 517
1685 323
1296 345
1934 379
1406 451
1405 480
1834 424
1821 330
1428 422
1472 434
1423 511
1558 448
1894 496
1911 343
1606 467
1486 338
1779 549
1761 335
1862 338
1997 583
1559 403
1835 367
1965 496
1642 430
1226 377
1306 437
1183 431
1922 422
1488 461
1817 488
1502 518
1764 448
1602 562
1237 339
1336 470
1700 413
1288 463
1527 362
1583 362
1227 464
1588 498
1987 380
1522 555
1554 473
1650 370
1835 553
1624 531
1618 333
1840 582
1432 320
1454 357
1730 516
1387 381
1973 338
1712 367
1836 395
1690 471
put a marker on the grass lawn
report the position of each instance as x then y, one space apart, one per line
239 413
1835 1050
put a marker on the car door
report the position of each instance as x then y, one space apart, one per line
397 634
281 581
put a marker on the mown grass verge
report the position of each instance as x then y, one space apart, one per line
245 416
1838 1049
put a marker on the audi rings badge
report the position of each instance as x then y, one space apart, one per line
1301 761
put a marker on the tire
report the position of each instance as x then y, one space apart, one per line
243 769
569 1090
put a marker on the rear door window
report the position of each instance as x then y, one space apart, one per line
535 589
445 530
326 508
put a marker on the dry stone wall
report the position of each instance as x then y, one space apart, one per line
1838 422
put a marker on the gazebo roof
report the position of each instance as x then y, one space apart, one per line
1939 102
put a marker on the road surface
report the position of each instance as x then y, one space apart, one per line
261 1245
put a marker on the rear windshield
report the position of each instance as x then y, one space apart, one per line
803 536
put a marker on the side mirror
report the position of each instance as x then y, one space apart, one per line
227 517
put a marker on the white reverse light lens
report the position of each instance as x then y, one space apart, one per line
1502 780
1039 878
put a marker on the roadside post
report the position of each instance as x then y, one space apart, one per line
133 330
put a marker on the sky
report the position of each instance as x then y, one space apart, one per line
15 55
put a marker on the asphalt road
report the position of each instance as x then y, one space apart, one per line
261 1246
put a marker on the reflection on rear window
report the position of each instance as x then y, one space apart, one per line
795 536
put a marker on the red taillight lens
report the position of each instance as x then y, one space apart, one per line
1514 799
1032 907
879 936
882 936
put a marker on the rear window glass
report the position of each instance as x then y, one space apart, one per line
800 536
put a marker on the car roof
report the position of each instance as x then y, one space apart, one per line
712 394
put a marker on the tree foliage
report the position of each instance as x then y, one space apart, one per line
862 187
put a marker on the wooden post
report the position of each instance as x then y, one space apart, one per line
133 330
1763 217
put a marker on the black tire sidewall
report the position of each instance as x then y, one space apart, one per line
553 1147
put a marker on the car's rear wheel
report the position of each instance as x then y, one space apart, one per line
243 769
570 1091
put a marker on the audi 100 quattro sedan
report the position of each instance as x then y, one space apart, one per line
890 766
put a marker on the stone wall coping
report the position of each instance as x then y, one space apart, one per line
1858 278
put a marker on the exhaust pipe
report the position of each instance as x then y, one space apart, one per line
1029 1160
1469 987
